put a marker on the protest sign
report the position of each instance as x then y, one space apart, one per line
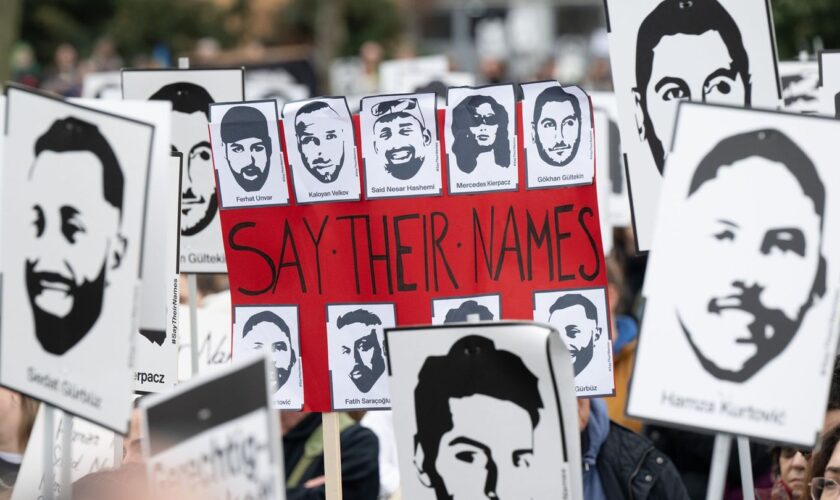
666 51
601 129
829 82
235 437
93 449
409 253
611 164
459 309
102 85
746 237
73 256
191 92
214 339
484 411
800 85
155 359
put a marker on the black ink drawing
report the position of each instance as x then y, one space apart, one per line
400 136
556 126
247 146
480 128
576 317
461 313
266 330
321 136
362 357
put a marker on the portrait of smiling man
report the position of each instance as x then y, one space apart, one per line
247 146
400 136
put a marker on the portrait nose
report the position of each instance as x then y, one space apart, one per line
188 194
492 479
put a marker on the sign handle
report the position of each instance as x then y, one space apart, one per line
720 462
48 484
192 299
332 455
747 486
66 479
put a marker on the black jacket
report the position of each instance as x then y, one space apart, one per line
359 461
632 469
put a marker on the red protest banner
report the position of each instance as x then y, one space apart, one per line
409 251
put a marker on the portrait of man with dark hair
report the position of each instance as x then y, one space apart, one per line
400 136
666 70
190 116
267 330
321 136
480 134
556 126
461 401
462 313
247 146
576 317
362 358
75 239
739 319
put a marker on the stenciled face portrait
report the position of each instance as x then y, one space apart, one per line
266 330
480 127
459 452
666 72
74 239
361 356
556 126
321 135
400 136
738 321
466 310
247 146
576 318
190 115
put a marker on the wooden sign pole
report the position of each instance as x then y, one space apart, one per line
332 455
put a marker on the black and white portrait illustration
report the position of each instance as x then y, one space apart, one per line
829 83
558 136
752 212
274 329
667 51
321 150
480 412
191 93
70 281
481 139
582 318
247 154
800 86
461 309
356 351
400 145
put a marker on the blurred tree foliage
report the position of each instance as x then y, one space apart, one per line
799 22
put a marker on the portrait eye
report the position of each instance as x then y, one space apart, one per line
71 226
258 345
675 91
548 123
522 458
237 148
331 136
721 85
466 456
259 148
39 221
279 346
726 234
345 349
785 240
204 154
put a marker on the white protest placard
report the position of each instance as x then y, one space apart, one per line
235 437
214 340
321 150
156 348
666 51
399 135
829 82
800 86
484 411
247 154
93 449
74 208
191 93
601 130
612 162
459 309
741 290
102 85
557 123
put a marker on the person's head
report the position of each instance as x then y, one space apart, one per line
461 313
477 409
190 115
767 237
400 136
832 411
361 356
556 126
247 144
686 50
791 467
321 134
577 319
74 239
266 330
479 125
824 479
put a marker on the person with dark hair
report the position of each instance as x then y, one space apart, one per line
577 319
480 130
666 72
556 126
400 136
361 356
321 137
247 145
824 480
461 313
75 239
266 330
461 402
737 322
190 115
790 469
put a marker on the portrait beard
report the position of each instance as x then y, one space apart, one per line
324 178
583 356
541 149
281 376
57 335
405 170
770 330
363 377
212 208
259 177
